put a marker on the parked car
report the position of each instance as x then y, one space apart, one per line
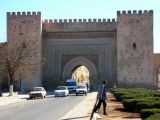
61 91
37 92
81 89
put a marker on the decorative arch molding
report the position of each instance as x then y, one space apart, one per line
78 61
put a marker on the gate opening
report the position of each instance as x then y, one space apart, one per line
81 74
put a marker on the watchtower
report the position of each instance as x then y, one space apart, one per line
27 27
135 48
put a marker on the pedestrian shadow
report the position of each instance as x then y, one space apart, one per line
76 117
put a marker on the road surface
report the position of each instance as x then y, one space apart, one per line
50 108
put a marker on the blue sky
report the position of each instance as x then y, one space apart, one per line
84 9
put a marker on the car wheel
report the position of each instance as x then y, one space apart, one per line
30 97
42 97
76 94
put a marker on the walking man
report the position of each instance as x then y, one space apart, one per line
101 98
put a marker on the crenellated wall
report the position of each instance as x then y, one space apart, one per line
27 27
128 51
135 48
78 25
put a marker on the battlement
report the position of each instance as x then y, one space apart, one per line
79 21
23 13
134 12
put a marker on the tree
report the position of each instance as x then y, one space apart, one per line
13 58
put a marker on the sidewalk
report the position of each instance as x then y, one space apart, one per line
83 110
5 99
114 108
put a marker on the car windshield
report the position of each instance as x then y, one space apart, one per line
70 83
37 89
61 88
80 86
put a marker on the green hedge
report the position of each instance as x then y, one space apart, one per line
148 104
145 113
154 117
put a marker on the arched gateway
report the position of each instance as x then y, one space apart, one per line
118 50
65 55
79 61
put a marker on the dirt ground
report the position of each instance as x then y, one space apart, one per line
116 111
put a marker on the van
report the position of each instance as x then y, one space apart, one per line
71 85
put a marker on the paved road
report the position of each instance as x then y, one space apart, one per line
50 108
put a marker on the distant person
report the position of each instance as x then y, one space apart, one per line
114 86
87 86
101 97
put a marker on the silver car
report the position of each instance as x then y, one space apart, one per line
61 91
37 92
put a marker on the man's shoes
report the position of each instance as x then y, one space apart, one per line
105 113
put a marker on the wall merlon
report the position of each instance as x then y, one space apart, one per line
89 20
65 20
140 12
94 20
55 21
84 20
123 12
79 21
104 20
70 20
75 20
113 20
33 13
134 12
23 13
28 13
129 12
45 21
60 21
13 13
50 21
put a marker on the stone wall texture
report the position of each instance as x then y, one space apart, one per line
126 44
27 27
135 49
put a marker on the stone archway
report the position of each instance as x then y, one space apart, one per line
78 61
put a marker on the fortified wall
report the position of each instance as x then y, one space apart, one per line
92 39
122 49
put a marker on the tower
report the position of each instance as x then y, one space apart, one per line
135 48
27 27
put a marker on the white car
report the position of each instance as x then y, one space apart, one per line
61 91
81 89
37 92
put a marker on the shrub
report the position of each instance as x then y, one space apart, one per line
145 113
154 117
148 104
131 104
